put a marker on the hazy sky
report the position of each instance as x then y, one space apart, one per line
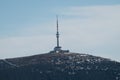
27 27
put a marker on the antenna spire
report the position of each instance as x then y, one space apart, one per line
57 34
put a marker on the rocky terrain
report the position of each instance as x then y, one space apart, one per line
59 66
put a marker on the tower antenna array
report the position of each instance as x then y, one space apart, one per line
58 49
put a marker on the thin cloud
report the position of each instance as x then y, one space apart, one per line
25 46
94 27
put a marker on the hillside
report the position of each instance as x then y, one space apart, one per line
59 66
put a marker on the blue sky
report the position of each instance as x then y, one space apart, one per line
27 27
15 14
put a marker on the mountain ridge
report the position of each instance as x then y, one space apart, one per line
50 66
37 58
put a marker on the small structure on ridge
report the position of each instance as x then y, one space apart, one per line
57 48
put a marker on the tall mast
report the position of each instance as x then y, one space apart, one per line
57 34
57 49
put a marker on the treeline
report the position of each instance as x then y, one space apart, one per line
48 72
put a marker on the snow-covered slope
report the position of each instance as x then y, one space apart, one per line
58 66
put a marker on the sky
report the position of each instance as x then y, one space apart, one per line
28 27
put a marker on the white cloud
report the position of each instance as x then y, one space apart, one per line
95 29
25 46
